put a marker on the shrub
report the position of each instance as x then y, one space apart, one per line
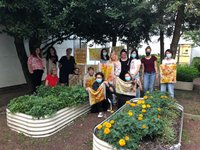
48 100
196 63
186 73
152 117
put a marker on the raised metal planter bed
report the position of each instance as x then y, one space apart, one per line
99 144
44 127
180 85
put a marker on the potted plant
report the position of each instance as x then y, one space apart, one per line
154 122
185 76
48 111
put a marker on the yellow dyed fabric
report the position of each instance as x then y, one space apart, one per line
97 96
89 81
108 71
125 88
168 73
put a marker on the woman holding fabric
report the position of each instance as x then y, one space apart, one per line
97 94
124 63
149 70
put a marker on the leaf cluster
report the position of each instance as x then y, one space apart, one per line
48 101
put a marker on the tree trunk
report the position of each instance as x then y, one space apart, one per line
21 52
114 41
34 42
177 31
161 45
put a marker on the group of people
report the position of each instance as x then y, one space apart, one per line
125 69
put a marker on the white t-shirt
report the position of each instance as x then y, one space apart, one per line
168 61
134 64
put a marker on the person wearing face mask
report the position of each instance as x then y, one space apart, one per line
103 105
104 56
122 98
149 70
124 63
168 60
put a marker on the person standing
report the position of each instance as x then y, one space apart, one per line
51 59
168 60
67 65
124 64
149 70
104 56
135 64
117 65
36 68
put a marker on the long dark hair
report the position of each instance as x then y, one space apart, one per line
131 58
49 56
123 50
34 52
107 56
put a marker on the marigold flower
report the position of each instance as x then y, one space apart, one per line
144 110
122 142
148 105
159 116
162 96
106 131
142 101
140 115
99 127
139 118
132 104
145 97
130 113
128 102
112 121
126 138
151 96
104 124
159 109
144 106
108 125
139 102
144 126
166 97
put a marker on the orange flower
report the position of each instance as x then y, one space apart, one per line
139 118
159 116
99 127
144 110
126 138
132 104
144 126
159 109
108 125
148 105
122 142
106 131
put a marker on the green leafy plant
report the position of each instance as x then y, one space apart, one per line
48 100
186 73
151 117
196 63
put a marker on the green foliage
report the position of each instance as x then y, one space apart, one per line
186 73
48 100
158 113
196 63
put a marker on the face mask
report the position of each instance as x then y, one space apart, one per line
148 53
104 54
133 55
168 55
127 78
99 80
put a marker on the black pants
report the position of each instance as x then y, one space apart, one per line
37 78
121 99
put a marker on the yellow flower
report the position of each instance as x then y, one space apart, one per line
166 97
106 131
139 102
144 110
108 125
112 121
130 113
151 96
122 142
104 124
159 109
145 97
126 138
139 118
148 105
162 96
99 127
144 106
144 126
140 115
132 104
128 102
147 92
159 116
142 101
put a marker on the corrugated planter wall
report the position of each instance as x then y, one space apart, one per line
99 144
44 127
180 85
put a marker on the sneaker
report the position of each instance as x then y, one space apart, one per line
100 115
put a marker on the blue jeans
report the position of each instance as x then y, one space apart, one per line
167 86
148 81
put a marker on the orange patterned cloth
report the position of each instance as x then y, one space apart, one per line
108 71
168 73
97 96
88 81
